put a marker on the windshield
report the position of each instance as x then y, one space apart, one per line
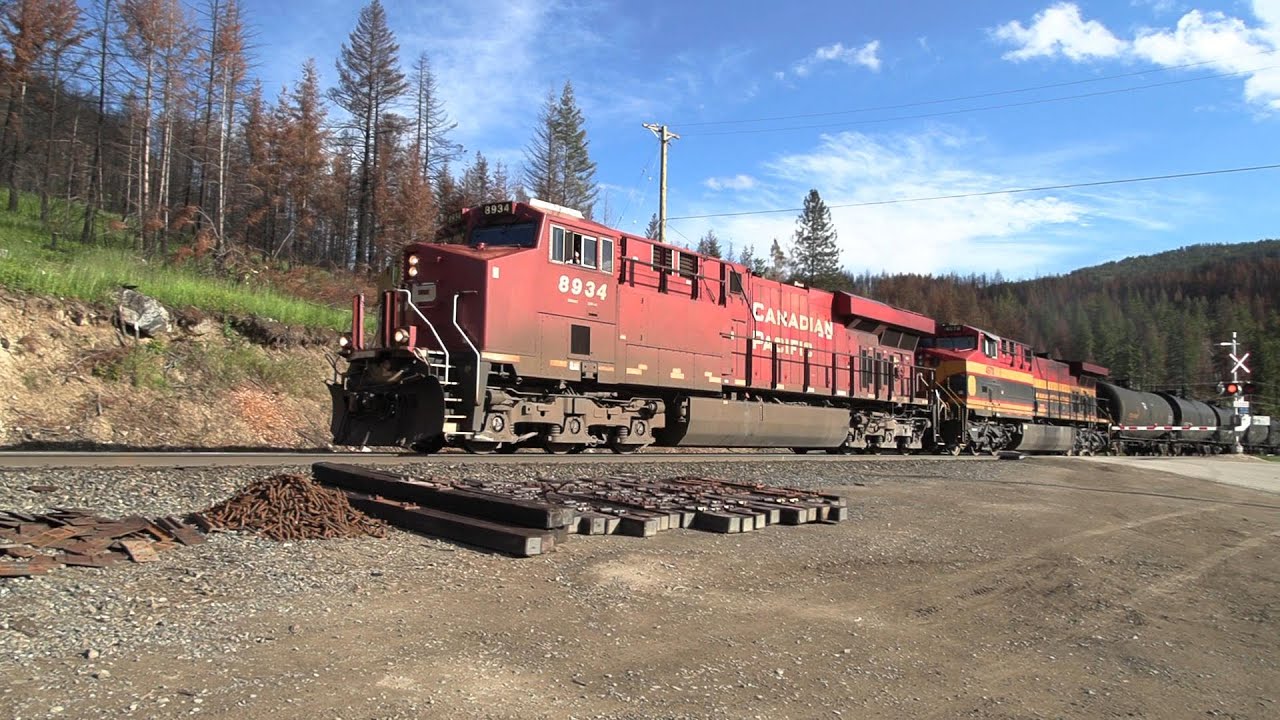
523 235
953 343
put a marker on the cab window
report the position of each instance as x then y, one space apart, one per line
606 255
988 347
573 248
557 244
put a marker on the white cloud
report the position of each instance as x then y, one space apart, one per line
493 80
1018 234
1211 39
737 182
867 56
1059 29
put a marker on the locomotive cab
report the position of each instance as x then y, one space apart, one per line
509 294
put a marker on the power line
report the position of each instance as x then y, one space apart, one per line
978 96
982 108
987 193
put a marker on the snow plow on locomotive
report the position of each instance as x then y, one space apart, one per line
529 325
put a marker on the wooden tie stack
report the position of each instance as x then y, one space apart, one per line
532 517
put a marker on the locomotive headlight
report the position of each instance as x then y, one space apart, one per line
413 271
413 259
401 336
344 342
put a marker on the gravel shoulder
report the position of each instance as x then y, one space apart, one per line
1041 588
1241 470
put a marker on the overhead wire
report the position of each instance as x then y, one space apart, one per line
988 193
644 188
981 108
977 96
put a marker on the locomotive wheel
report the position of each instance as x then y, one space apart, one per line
556 448
624 449
800 451
480 447
429 447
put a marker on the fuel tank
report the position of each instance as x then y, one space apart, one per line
1045 439
716 422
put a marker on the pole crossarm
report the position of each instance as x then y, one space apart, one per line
665 136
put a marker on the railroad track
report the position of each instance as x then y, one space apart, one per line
18 460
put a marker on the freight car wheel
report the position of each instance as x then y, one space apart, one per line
954 450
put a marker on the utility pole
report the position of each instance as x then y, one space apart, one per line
665 136
1239 404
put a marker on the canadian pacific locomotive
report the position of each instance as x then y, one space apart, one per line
527 325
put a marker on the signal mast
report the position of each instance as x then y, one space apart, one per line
1237 390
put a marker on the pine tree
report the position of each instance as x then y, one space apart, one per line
543 157
652 230
579 172
432 124
369 81
756 265
815 257
477 183
777 263
303 153
709 245
558 166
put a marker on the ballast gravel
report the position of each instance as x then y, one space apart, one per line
234 575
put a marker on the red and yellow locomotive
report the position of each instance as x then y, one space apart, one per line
996 394
528 325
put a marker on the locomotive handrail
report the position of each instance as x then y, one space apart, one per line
777 361
475 397
432 328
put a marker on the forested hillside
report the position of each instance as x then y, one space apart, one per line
1154 320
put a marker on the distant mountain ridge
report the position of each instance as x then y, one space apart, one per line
1155 320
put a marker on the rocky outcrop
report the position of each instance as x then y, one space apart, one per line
140 315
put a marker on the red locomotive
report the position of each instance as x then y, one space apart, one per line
527 325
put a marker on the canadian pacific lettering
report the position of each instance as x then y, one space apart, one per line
804 323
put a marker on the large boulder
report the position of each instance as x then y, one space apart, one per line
140 315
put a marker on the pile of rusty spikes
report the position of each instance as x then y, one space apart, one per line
290 507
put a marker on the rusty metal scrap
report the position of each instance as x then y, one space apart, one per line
35 543
290 507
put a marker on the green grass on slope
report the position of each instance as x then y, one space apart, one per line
95 274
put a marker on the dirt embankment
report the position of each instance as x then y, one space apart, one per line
69 378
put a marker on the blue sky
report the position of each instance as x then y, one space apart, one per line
834 71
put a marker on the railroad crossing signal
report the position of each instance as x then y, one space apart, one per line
1239 363
1236 389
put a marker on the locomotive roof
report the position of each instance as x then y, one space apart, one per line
858 306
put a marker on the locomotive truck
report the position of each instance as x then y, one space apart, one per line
528 325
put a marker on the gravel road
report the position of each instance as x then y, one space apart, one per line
991 589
